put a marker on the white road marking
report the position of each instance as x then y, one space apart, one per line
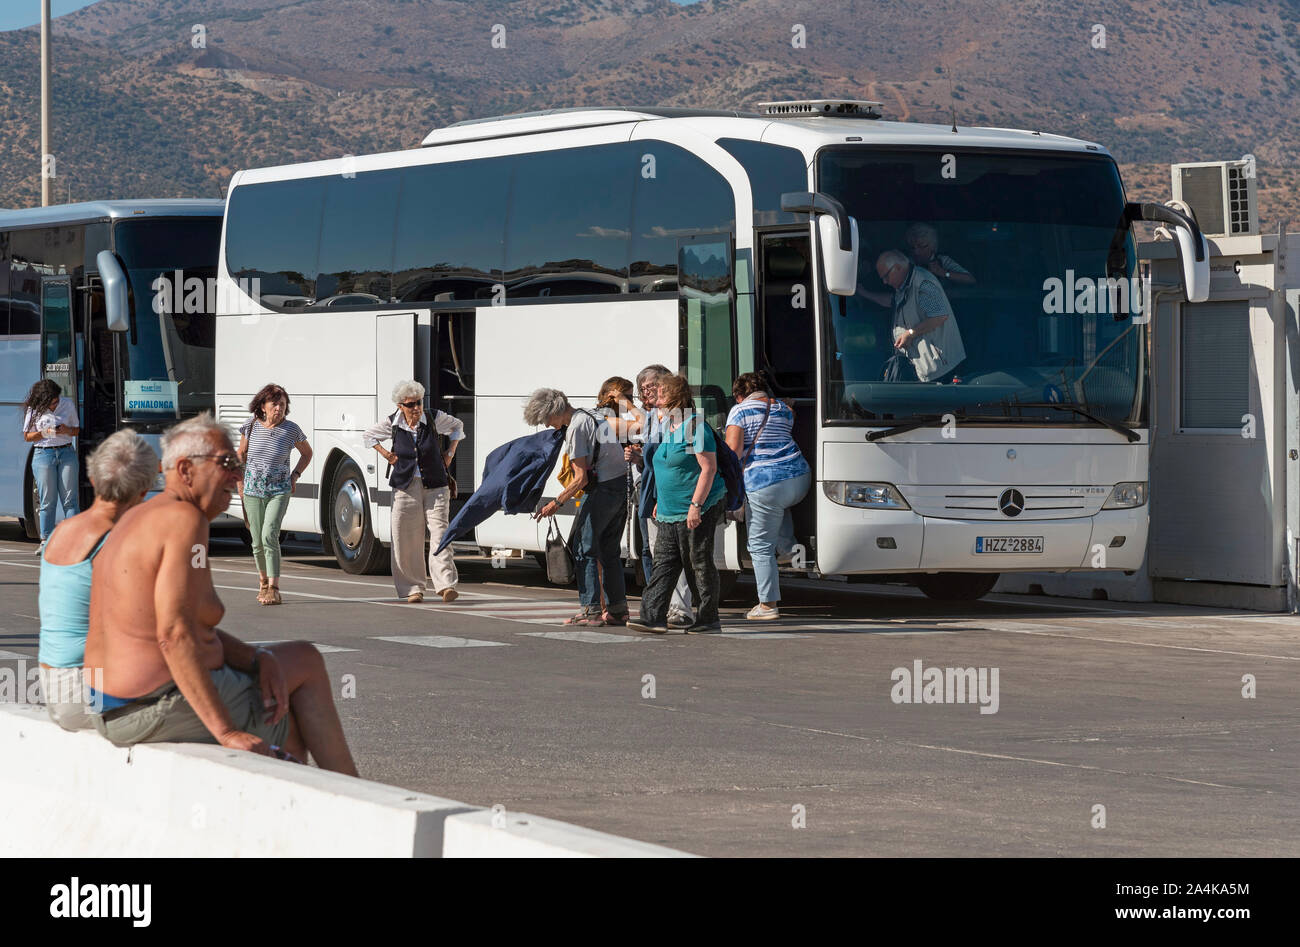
322 648
593 637
14 655
769 635
440 641
1144 644
370 585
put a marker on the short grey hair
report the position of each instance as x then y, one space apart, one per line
645 374
919 230
192 437
544 404
122 467
408 391
892 258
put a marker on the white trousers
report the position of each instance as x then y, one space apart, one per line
415 509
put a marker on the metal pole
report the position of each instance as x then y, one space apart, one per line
45 103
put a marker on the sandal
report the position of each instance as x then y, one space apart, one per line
617 619
264 593
275 596
585 620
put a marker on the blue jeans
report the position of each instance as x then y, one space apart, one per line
597 543
771 531
55 471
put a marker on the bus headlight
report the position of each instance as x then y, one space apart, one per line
871 496
1126 496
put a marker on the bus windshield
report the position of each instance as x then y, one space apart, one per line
171 344
1010 289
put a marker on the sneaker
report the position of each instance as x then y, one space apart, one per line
761 612
449 595
679 619
40 549
639 625
713 628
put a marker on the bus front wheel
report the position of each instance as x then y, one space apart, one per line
957 586
352 535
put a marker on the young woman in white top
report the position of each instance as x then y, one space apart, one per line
50 422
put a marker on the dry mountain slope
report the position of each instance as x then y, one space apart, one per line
141 111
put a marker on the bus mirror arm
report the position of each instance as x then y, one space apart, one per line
838 234
1193 250
116 309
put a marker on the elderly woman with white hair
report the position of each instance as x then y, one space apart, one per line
600 473
421 490
121 470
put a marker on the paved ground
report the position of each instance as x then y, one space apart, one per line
1135 708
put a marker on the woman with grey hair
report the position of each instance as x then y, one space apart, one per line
421 491
121 470
600 473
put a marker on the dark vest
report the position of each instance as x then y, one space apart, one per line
416 452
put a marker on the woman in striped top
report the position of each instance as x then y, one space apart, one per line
759 430
265 442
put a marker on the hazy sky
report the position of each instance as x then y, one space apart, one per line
15 14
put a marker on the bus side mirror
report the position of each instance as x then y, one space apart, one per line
1193 249
838 233
116 306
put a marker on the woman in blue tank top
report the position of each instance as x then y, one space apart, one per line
121 470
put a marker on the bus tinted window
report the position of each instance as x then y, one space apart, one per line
451 224
4 284
273 235
677 195
569 220
356 241
28 252
773 170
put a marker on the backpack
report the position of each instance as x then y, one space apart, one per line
731 471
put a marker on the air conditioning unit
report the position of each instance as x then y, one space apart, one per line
1221 193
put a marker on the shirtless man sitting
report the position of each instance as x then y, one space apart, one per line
169 673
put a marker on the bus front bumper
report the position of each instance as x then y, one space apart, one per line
854 541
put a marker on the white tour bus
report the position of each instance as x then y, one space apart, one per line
558 248
78 305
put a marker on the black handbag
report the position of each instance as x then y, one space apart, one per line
559 560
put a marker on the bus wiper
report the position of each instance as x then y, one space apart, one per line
929 420
1128 432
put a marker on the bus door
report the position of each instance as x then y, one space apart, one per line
59 355
58 346
452 358
707 312
786 346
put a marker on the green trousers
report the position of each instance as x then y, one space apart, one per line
265 514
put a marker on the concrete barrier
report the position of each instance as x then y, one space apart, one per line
489 834
75 794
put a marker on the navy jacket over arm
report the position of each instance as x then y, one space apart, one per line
514 477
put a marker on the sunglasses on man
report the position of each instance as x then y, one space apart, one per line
224 461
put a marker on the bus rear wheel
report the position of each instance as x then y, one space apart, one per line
352 535
957 586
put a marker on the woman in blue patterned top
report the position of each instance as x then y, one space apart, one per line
265 442
760 431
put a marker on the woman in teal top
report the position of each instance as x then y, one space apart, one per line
121 470
690 496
